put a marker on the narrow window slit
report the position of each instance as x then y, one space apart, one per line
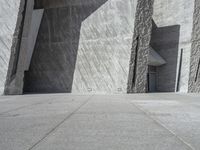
135 61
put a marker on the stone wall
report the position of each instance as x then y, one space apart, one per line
137 82
194 82
10 16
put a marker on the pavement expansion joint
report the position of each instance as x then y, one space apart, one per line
147 113
22 107
60 123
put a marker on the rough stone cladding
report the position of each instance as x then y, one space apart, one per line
194 81
137 81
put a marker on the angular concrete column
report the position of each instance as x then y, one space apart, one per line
20 58
137 82
10 24
194 81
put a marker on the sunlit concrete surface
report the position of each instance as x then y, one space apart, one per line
100 122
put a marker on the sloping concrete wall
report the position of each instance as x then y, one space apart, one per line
104 48
178 12
83 48
9 13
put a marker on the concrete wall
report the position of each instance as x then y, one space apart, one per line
83 47
104 48
137 81
178 12
9 13
20 51
194 82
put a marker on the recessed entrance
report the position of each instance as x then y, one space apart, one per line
162 70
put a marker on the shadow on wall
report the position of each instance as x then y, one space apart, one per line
165 40
54 58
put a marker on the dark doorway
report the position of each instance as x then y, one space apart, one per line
165 41
151 79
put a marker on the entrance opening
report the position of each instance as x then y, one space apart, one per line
151 79
162 72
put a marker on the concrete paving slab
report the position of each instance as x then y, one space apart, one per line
111 131
182 117
109 122
21 128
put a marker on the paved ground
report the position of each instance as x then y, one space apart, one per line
87 122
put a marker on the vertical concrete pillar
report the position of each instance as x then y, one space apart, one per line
194 80
137 81
10 22
18 60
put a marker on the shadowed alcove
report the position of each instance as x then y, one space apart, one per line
83 46
54 58
165 41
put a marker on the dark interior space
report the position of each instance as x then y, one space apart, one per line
165 41
54 58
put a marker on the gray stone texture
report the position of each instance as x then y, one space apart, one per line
83 47
194 81
10 14
177 12
137 81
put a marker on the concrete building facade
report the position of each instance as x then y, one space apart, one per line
99 46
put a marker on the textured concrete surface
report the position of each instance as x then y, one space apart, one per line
83 48
105 48
89 50
179 12
137 80
194 81
8 20
96 122
19 55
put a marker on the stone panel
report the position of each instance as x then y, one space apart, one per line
140 50
194 82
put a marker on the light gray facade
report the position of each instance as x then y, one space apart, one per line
9 13
99 46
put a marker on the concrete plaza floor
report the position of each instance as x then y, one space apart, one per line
100 122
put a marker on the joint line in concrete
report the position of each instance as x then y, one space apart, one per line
59 124
147 113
